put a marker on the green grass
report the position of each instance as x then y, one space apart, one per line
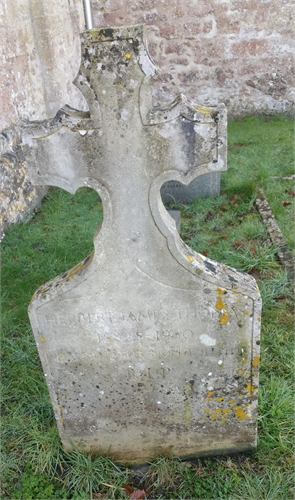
228 229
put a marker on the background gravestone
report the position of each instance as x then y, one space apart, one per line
203 186
147 347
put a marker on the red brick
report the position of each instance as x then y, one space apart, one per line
253 47
180 61
228 22
167 31
171 47
223 74
192 29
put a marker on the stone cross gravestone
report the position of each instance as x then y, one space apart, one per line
147 347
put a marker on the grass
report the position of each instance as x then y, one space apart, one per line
226 228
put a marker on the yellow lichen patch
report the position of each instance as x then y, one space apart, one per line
219 303
74 270
220 399
218 410
210 393
127 55
240 414
42 339
61 419
240 372
223 320
190 258
258 319
204 110
250 389
220 290
246 313
60 410
256 361
225 410
213 415
207 410
232 401
220 343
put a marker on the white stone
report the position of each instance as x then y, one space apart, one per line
145 318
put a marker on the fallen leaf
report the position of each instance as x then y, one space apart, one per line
234 199
97 495
205 252
209 216
290 193
237 244
134 494
128 489
252 250
225 235
137 494
285 203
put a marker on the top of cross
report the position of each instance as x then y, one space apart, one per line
126 148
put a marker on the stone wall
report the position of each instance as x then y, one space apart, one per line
240 52
38 60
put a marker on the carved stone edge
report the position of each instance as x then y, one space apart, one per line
276 235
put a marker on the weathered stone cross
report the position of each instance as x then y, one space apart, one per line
147 347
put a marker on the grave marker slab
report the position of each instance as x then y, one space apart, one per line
201 187
147 346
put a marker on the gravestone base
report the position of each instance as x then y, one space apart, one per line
153 363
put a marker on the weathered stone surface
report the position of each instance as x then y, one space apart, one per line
18 197
147 346
203 186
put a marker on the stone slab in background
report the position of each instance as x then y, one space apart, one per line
203 186
176 216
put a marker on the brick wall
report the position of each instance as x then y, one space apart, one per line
240 52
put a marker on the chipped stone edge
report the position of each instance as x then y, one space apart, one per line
276 235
